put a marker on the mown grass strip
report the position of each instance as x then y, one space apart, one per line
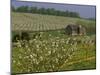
78 61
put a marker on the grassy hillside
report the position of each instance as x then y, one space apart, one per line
38 22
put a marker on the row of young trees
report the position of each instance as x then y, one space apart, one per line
48 11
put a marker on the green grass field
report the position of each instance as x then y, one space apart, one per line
52 50
38 22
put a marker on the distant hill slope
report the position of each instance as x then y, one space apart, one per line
38 22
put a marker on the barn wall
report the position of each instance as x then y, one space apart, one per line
68 30
78 30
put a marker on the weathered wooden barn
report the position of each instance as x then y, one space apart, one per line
73 29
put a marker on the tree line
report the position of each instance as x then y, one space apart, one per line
48 11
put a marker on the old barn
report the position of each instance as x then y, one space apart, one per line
75 30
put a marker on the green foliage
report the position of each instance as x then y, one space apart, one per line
13 8
49 11
53 51
22 9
